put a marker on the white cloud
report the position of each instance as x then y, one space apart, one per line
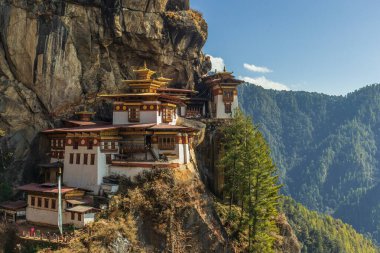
217 63
257 69
265 83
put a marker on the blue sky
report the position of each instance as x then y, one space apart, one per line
329 46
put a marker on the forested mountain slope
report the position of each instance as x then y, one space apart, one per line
325 147
320 233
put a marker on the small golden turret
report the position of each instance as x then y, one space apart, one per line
144 73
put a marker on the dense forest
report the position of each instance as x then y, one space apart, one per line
325 147
320 233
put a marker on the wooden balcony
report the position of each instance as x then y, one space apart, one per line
132 147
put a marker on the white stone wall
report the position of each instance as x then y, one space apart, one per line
45 215
150 117
82 175
186 148
102 169
85 219
120 117
220 108
181 151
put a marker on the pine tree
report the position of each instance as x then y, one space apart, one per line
231 159
250 182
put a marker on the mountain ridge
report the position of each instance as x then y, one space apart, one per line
325 146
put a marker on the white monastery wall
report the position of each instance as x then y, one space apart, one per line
220 108
120 118
82 175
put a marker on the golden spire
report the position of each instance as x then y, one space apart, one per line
143 73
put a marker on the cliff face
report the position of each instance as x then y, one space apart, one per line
55 55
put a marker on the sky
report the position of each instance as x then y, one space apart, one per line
327 46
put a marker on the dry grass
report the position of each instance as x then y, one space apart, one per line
101 236
164 209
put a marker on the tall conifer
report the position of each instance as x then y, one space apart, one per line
251 182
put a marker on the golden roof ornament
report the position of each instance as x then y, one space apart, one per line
144 73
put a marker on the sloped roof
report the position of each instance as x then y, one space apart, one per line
44 188
14 205
147 126
80 209
93 128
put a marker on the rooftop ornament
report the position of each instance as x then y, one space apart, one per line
85 115
144 73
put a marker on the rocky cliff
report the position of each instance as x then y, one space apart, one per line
56 55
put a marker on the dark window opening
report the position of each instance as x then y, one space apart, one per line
85 158
92 159
76 144
71 158
53 204
90 144
227 108
78 159
108 159
166 143
228 95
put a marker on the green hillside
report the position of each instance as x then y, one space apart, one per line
320 233
325 147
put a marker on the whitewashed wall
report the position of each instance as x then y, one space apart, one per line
82 175
220 108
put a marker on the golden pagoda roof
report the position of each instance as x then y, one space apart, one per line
128 95
143 73
164 79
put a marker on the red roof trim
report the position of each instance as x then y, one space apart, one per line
38 188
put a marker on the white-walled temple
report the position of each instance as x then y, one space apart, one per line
143 135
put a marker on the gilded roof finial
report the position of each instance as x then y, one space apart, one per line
145 67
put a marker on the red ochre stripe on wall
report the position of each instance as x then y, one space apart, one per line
220 91
119 107
82 141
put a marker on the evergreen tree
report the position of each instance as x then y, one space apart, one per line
250 182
